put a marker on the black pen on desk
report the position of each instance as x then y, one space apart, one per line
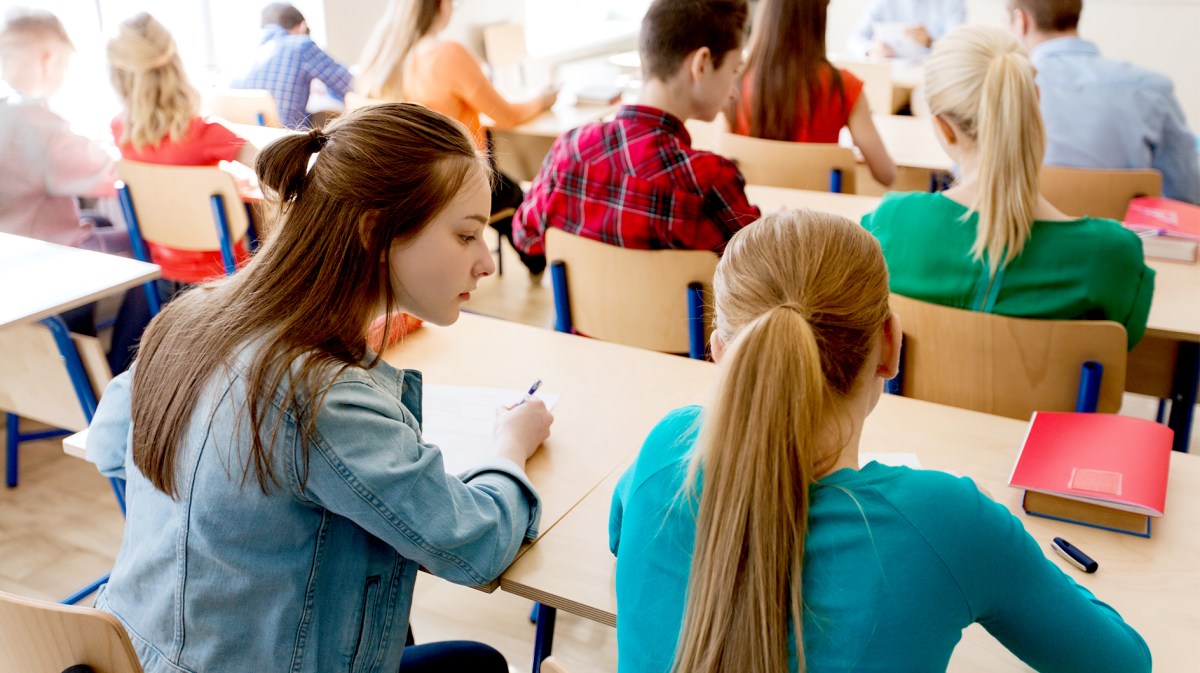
1074 555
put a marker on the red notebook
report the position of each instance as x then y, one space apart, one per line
1164 217
1101 470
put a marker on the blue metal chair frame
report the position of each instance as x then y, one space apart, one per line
220 221
695 305
87 402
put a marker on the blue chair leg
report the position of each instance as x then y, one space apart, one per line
12 440
140 252
562 303
85 591
533 613
543 642
221 220
835 181
1089 387
695 307
1183 394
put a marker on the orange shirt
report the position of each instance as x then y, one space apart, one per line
446 77
830 111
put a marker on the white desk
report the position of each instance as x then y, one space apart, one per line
1154 583
39 279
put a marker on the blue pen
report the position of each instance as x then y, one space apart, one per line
1074 555
532 389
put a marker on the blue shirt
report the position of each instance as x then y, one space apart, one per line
317 575
286 65
938 16
897 562
1102 113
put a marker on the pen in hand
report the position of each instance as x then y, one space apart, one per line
532 389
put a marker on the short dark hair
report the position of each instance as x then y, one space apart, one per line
281 14
1052 16
672 29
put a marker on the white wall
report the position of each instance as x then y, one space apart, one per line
1158 34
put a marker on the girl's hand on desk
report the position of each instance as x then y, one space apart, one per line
521 429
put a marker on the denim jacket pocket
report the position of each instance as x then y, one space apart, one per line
368 631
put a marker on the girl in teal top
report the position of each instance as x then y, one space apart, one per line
724 507
991 243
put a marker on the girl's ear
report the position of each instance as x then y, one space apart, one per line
889 351
943 125
717 346
366 224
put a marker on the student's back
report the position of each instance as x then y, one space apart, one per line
748 538
636 181
991 243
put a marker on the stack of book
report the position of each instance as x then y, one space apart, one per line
1169 229
1100 470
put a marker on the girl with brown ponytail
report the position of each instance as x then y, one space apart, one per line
280 497
749 539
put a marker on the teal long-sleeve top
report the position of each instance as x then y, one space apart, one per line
897 563
1084 269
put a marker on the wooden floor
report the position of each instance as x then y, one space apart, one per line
61 528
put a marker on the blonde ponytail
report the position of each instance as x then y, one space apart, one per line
801 298
148 76
981 79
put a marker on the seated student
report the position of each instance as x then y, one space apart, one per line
278 470
991 243
405 60
45 164
161 124
287 63
1102 113
790 91
748 538
927 21
635 181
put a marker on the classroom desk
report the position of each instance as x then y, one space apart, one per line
911 143
40 279
1165 363
602 414
1154 583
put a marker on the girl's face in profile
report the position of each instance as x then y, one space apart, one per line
435 273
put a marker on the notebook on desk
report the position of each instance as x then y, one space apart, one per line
459 421
1101 470
1169 229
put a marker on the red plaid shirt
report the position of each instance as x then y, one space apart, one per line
635 182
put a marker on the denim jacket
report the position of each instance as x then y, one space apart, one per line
317 575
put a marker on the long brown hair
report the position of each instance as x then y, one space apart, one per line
801 299
981 78
305 299
381 66
148 75
783 71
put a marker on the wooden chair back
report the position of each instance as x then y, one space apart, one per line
707 135
1095 192
1003 365
778 163
242 106
40 637
173 204
633 297
876 77
504 45
34 382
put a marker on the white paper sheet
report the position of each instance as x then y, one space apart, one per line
459 421
894 459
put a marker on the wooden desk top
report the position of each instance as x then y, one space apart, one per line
1175 311
559 119
1154 583
603 411
259 136
911 143
40 279
851 206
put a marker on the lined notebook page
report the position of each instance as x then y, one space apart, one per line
459 421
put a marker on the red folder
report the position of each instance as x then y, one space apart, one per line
1163 217
1101 470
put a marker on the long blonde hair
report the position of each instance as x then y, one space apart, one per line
381 66
144 64
801 298
981 79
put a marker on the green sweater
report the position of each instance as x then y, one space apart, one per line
1086 269
897 562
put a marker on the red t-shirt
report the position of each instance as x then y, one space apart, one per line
830 111
206 143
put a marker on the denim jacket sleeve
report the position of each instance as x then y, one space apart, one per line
108 434
368 464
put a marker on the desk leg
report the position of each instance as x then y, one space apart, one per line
1183 393
543 642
